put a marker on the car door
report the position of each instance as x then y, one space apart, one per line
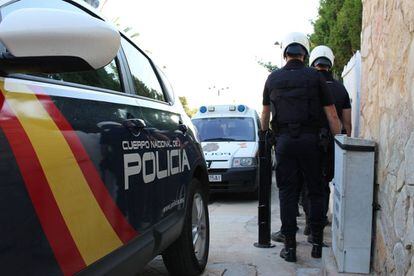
169 165
64 204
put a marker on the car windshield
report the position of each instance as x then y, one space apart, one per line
225 129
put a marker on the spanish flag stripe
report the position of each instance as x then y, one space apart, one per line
64 248
114 215
91 231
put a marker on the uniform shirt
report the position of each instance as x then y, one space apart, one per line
325 94
341 96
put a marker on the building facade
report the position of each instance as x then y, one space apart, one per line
387 116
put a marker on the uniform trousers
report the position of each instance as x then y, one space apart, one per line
298 162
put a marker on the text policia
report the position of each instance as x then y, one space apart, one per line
156 159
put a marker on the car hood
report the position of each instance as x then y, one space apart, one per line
228 150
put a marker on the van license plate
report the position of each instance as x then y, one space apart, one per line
214 178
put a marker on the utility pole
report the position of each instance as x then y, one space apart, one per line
279 44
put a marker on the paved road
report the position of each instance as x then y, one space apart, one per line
233 222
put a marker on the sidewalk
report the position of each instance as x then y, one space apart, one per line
233 223
233 253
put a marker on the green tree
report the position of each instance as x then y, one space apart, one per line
190 111
339 27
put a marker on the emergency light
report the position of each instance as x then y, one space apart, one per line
203 109
241 108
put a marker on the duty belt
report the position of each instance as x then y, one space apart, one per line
303 129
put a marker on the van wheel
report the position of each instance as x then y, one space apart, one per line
188 255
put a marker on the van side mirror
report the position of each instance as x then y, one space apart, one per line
39 40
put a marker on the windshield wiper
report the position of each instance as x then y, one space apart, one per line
219 139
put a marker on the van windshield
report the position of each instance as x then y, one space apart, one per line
225 129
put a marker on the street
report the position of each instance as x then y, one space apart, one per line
233 227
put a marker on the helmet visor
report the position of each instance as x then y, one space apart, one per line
296 49
323 62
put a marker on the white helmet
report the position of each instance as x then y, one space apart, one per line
291 42
322 55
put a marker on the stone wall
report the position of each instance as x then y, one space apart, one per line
387 108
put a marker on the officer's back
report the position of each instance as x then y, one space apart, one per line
298 97
295 94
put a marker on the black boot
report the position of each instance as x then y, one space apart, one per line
316 251
289 251
310 240
317 244
278 236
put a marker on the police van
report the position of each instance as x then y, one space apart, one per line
229 137
100 167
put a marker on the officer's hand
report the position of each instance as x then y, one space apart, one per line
268 136
271 137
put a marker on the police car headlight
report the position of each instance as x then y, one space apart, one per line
244 162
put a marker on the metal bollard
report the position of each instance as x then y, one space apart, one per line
265 185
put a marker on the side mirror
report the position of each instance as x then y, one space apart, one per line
50 41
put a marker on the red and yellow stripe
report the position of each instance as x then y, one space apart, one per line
79 217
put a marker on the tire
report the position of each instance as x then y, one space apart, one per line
182 258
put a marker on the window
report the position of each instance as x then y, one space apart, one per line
225 129
145 80
167 85
107 77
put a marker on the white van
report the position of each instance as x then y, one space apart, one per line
229 137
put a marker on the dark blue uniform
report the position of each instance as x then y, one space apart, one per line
341 96
342 101
297 95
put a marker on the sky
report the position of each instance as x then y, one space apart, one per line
209 45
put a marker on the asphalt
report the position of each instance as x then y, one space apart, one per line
233 223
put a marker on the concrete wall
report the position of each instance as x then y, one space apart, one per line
387 108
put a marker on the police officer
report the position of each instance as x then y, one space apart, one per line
322 59
298 98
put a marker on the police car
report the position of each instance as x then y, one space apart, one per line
229 138
100 168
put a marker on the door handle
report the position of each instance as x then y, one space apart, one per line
183 128
134 125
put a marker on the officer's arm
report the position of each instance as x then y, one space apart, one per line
334 123
265 118
346 121
329 107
